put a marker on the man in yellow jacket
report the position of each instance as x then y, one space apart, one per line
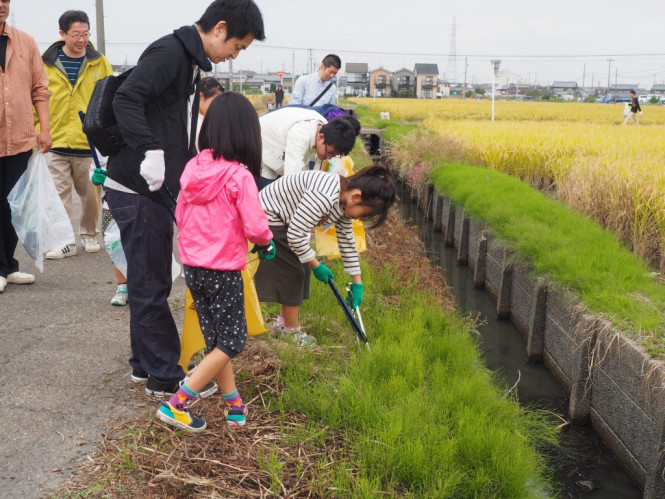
73 66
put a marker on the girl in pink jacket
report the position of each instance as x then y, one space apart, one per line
218 210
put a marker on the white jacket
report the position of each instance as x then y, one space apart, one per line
289 139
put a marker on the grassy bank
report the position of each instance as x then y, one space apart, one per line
418 416
563 244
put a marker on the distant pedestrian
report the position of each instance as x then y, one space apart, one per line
24 85
218 189
634 109
279 96
318 88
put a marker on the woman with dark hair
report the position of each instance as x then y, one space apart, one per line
208 88
218 210
279 97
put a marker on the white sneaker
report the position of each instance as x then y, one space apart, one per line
20 278
90 244
3 283
60 253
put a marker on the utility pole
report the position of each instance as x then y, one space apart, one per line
609 69
466 66
101 39
616 77
583 76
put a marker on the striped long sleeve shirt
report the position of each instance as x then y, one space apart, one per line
303 200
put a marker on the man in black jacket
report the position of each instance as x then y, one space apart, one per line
156 109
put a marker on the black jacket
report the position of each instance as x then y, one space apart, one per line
151 109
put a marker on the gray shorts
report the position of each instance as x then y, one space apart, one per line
283 279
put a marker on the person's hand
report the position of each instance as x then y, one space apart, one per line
153 168
266 252
44 141
98 177
322 273
355 295
640 112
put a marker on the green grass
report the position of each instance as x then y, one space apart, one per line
575 251
421 414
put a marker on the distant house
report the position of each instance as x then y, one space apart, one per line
564 87
403 83
658 89
261 82
445 89
357 76
379 83
427 80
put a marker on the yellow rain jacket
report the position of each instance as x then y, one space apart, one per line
66 101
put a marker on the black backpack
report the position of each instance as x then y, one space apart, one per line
100 124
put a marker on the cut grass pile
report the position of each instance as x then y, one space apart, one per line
418 416
573 250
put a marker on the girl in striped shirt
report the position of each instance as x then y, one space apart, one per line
296 204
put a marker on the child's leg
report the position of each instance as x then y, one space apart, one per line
235 410
290 314
120 297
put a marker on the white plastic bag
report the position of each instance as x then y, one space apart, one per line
38 215
113 247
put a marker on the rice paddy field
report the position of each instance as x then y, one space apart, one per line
578 152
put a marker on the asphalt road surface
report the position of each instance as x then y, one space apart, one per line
64 376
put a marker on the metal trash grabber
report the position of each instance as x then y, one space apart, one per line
360 331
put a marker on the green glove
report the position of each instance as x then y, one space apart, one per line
99 176
355 295
267 252
322 273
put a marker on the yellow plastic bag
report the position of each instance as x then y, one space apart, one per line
192 339
326 241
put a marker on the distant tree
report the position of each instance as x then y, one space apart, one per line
654 100
480 90
273 87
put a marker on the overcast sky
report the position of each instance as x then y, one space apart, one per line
541 42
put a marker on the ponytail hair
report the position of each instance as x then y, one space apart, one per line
378 191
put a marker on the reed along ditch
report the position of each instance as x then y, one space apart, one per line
583 466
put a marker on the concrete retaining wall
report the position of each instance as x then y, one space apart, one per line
611 382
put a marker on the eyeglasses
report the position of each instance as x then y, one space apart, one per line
79 36
330 151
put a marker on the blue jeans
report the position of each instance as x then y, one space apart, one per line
146 233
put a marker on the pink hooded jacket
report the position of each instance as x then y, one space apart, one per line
218 210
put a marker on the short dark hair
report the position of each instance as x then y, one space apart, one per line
632 92
378 191
209 86
339 133
332 60
231 129
351 120
242 17
72 16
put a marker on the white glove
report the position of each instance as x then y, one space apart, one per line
152 169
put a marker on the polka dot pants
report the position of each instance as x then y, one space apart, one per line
220 306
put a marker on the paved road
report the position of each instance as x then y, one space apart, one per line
64 374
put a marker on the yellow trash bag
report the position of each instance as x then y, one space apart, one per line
326 240
192 339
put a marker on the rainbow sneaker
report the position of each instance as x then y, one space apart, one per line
182 419
236 416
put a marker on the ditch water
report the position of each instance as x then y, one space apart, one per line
583 467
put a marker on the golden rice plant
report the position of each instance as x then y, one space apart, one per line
612 173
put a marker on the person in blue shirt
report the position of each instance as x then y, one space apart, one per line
317 89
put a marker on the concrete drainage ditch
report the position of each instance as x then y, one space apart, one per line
610 381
